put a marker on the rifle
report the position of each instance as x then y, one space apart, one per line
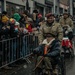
45 52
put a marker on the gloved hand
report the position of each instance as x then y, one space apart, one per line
34 52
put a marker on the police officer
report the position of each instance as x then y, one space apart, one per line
66 20
50 27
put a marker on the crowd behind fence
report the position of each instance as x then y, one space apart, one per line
16 48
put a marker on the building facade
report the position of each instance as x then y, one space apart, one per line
49 6
40 6
12 6
63 6
43 6
73 10
1 5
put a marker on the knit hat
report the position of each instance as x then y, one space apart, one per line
49 15
39 15
5 19
16 16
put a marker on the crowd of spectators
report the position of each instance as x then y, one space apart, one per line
19 24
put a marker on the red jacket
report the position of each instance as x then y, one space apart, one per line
29 28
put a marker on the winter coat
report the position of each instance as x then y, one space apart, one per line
54 50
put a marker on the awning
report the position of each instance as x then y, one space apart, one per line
49 2
49 5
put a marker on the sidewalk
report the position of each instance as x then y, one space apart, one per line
23 69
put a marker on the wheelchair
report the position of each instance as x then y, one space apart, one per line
67 48
67 44
59 66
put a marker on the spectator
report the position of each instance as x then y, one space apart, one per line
12 27
5 26
4 17
29 25
35 18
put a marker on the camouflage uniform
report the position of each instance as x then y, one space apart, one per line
55 28
67 21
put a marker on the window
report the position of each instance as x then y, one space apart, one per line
12 8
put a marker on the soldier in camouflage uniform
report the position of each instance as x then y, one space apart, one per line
52 27
66 20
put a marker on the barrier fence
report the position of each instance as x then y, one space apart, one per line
14 49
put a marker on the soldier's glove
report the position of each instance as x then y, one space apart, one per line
35 52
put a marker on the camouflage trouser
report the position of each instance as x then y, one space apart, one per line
47 62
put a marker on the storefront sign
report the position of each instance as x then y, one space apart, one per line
17 7
64 6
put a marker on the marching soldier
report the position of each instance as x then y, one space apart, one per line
50 27
66 20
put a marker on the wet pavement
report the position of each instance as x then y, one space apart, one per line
70 67
27 68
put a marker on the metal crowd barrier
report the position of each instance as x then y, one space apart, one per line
14 49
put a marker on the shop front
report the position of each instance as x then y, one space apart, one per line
39 7
49 6
74 9
11 8
63 8
1 5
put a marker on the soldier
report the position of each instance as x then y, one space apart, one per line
50 27
66 20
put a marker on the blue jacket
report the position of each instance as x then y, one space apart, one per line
54 49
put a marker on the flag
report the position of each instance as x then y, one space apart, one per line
27 5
